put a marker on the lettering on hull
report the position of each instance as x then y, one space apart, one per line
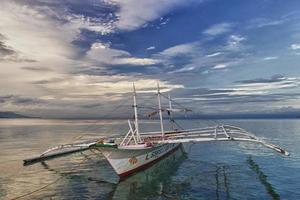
158 152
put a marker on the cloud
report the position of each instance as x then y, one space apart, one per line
17 100
37 69
181 49
184 69
90 23
72 54
214 54
96 16
136 61
181 58
194 56
90 87
218 29
249 88
270 58
275 78
220 66
164 21
5 50
45 33
151 48
235 42
8 54
250 95
103 54
295 46
265 85
135 13
109 16
264 22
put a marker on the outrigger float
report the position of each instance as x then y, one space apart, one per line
139 150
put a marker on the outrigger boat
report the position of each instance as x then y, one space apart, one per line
138 150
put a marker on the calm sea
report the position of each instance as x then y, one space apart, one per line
216 170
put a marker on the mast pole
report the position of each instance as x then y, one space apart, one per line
160 112
170 110
136 114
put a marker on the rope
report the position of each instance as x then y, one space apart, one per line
89 127
49 184
39 189
183 107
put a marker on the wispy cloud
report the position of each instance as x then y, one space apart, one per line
245 93
151 48
220 66
181 49
264 22
214 54
132 13
218 29
270 58
192 56
275 78
184 69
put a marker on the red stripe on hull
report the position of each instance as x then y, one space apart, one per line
147 165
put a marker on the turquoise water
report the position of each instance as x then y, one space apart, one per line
217 170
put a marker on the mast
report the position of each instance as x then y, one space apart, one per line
136 114
160 112
170 111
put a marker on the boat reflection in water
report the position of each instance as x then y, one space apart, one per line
162 180
95 178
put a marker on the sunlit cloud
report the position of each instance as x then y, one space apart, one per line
103 54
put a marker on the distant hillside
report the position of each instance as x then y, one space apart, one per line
12 115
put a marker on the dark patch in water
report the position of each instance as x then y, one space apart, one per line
263 178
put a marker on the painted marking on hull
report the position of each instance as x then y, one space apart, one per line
132 160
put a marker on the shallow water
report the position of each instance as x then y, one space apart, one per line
217 170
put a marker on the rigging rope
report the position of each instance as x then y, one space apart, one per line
109 130
39 189
49 184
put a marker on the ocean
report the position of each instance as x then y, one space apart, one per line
212 170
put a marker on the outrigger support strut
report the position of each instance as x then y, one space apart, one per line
228 133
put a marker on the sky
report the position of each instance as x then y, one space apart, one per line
74 58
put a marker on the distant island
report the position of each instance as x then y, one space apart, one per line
12 115
284 115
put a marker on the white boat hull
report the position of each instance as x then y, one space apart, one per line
128 161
